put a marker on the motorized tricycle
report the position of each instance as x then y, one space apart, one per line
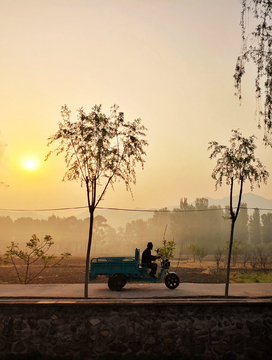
121 270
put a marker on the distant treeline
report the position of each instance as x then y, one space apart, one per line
201 224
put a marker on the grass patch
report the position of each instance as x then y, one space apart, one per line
252 277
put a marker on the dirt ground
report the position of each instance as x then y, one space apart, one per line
72 272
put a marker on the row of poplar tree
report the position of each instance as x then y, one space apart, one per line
198 223
204 225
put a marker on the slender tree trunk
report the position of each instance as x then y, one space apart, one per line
27 270
91 205
229 257
233 219
87 267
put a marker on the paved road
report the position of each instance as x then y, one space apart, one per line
134 291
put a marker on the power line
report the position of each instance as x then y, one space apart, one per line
57 209
82 207
176 211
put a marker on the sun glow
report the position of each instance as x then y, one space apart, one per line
30 163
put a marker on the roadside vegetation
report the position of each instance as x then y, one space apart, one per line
209 270
251 277
35 252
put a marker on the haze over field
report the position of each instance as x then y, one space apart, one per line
169 62
203 223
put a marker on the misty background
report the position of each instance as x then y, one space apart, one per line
119 232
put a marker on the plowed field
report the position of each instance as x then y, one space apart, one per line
73 269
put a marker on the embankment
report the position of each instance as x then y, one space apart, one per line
215 329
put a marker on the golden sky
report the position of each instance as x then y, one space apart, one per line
169 62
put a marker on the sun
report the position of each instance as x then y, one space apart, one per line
30 163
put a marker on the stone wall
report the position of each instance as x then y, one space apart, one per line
212 329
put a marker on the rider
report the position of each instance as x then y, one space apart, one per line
147 259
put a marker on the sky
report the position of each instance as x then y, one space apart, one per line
168 62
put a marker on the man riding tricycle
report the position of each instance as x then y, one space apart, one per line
121 270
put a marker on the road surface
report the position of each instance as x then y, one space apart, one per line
135 291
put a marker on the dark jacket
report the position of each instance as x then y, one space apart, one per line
147 257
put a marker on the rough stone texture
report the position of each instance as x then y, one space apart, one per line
231 330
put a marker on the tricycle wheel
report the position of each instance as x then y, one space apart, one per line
172 281
110 283
117 282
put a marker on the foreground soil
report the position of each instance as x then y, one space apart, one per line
72 272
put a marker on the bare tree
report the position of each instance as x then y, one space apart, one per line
35 251
99 150
236 163
217 257
253 258
193 249
246 253
262 256
201 253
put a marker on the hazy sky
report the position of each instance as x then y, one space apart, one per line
169 62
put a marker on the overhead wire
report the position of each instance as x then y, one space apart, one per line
176 210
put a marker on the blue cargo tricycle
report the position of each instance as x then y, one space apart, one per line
121 270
